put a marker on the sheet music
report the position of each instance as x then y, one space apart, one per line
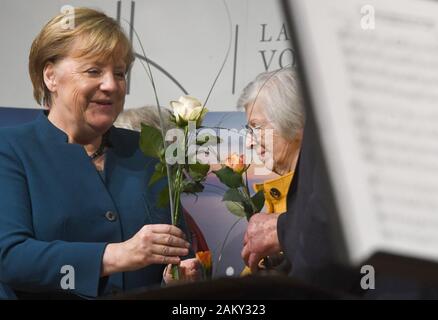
375 92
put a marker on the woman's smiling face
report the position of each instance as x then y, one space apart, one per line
86 93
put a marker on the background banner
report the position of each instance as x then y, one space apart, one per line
186 43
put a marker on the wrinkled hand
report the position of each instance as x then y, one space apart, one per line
153 244
260 239
190 270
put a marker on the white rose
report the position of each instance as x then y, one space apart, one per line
186 109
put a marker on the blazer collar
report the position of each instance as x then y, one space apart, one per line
49 130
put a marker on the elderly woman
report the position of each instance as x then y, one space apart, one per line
275 117
76 213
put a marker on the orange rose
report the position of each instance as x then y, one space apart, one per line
205 258
236 162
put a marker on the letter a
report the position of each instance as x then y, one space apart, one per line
68 21
368 21
68 281
368 280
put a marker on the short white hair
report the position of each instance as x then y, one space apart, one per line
280 94
133 118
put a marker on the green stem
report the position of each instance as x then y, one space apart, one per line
176 201
177 193
248 194
219 259
178 181
246 185
244 191
175 271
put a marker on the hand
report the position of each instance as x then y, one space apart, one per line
190 270
153 244
260 239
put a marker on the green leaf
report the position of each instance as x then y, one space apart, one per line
156 176
235 208
258 201
198 171
159 173
233 195
160 167
163 198
192 186
151 141
228 177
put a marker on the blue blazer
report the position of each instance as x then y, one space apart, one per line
56 210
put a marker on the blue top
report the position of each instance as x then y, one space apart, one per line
55 210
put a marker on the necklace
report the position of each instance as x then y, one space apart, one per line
100 151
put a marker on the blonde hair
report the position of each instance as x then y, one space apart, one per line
100 37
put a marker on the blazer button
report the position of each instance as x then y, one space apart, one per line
111 216
275 193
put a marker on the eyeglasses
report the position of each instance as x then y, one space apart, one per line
256 132
253 130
